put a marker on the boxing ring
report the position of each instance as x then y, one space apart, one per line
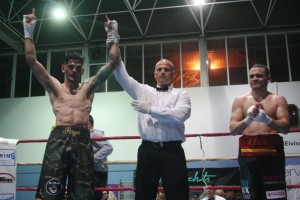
192 188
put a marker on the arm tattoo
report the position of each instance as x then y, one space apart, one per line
106 70
114 60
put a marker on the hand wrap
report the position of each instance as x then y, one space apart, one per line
251 113
112 33
29 26
262 117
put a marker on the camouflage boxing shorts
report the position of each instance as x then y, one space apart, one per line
68 157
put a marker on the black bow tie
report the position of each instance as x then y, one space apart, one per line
212 198
163 89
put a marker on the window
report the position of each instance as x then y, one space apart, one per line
278 58
237 61
57 59
6 75
152 55
22 77
217 71
97 54
256 50
190 64
134 62
294 52
36 88
171 52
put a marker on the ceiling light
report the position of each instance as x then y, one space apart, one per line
199 2
59 13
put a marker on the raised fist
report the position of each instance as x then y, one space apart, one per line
29 22
111 27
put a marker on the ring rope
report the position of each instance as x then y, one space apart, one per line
189 160
233 187
138 137
295 130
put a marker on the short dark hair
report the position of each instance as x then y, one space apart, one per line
75 56
267 71
91 120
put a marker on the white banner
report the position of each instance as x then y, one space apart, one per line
8 168
291 143
292 176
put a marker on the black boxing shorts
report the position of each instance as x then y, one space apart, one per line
262 167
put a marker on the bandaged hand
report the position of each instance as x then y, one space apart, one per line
142 106
111 27
262 117
29 22
252 112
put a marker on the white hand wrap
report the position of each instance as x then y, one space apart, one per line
250 116
29 26
112 33
142 106
262 117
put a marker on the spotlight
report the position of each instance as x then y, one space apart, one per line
199 2
59 13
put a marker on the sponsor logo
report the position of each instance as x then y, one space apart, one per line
7 197
70 131
291 143
6 178
292 174
7 157
245 189
205 177
53 186
277 194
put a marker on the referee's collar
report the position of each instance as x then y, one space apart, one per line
164 89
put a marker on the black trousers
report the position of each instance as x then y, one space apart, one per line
165 161
100 179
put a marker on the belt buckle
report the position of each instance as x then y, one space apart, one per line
158 144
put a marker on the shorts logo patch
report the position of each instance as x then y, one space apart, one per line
53 186
277 194
245 189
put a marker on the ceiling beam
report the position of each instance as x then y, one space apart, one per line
11 37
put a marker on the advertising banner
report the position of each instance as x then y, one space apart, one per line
219 176
292 177
231 177
8 167
291 143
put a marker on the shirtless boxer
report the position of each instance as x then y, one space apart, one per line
69 153
260 115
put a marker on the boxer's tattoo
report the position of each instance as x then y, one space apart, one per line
102 74
106 70
114 60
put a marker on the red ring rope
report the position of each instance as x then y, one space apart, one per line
295 130
234 187
138 137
